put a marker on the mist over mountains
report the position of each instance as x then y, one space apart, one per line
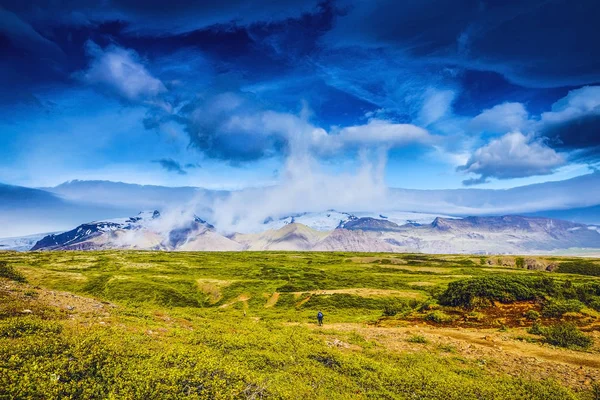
334 231
28 211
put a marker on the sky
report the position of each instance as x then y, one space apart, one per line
434 94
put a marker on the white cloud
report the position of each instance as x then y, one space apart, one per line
304 187
513 155
575 104
436 105
121 72
502 118
376 133
234 126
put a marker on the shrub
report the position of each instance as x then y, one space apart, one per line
469 292
475 316
18 327
556 308
417 339
563 335
520 262
391 309
439 317
536 329
427 305
595 304
532 315
579 267
7 271
596 391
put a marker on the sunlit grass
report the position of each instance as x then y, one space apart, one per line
237 325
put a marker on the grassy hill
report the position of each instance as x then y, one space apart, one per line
134 325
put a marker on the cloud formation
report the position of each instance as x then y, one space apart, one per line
574 123
519 40
120 72
305 187
501 118
171 165
254 84
514 155
376 133
237 127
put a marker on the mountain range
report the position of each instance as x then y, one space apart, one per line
474 235
271 218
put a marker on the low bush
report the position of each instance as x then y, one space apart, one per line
439 317
391 310
536 329
563 335
482 291
24 326
417 339
8 271
532 315
556 308
427 305
582 267
595 304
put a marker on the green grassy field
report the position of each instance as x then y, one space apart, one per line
135 325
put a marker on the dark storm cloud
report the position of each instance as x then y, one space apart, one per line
536 43
156 17
171 165
573 124
580 135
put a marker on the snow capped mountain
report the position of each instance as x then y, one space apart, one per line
27 211
334 231
331 219
145 231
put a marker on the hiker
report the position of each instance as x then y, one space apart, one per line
320 318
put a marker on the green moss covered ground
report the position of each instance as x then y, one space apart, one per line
144 325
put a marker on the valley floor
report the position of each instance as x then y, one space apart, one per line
163 325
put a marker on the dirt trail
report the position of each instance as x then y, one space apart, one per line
243 298
499 351
28 295
272 300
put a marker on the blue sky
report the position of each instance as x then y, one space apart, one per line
440 94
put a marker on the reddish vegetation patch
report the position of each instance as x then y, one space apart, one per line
508 315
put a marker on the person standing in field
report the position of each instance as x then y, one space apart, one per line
320 318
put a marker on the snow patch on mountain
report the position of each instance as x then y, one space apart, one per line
329 220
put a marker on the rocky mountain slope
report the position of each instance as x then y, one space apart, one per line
498 235
146 231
